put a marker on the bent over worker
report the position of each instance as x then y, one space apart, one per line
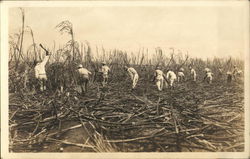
133 75
193 73
83 78
105 70
180 75
40 72
208 77
171 77
158 78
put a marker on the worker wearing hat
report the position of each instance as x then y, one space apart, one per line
83 78
193 73
171 77
207 70
105 71
40 72
158 78
133 75
180 75
209 76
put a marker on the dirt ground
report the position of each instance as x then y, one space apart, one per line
194 105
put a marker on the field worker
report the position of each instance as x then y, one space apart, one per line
193 73
83 78
171 77
40 72
236 72
208 77
207 70
105 70
158 78
220 71
133 75
180 75
235 69
229 76
239 73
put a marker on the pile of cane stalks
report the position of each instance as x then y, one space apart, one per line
192 117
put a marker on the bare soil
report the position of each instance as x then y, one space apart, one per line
191 117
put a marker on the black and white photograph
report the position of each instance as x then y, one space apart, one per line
125 77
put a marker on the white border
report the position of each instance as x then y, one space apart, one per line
4 78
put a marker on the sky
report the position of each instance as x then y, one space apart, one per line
205 31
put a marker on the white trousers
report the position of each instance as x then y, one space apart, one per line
194 77
171 82
135 80
159 83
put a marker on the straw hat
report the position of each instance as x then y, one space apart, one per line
182 69
80 66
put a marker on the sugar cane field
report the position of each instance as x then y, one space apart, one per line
190 116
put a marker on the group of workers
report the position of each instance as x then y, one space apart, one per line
84 76
170 77
160 78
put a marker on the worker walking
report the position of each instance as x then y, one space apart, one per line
105 71
193 74
83 78
180 75
158 78
133 75
40 72
171 77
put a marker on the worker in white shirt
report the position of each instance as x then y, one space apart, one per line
83 78
40 72
105 71
158 78
180 75
133 75
171 77
193 73
235 72
207 70
208 77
